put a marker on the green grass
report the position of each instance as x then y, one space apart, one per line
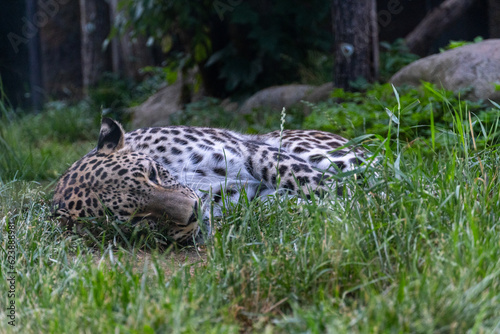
40 147
416 252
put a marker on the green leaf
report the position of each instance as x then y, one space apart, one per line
148 330
392 116
200 53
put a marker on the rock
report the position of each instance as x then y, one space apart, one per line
475 66
276 97
156 110
320 93
229 106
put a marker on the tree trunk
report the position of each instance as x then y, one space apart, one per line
494 18
129 53
116 55
135 54
94 21
434 23
61 45
35 73
355 34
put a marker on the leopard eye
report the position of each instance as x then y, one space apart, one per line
153 175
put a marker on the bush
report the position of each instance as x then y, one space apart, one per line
357 113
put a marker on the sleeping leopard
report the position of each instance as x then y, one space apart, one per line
179 175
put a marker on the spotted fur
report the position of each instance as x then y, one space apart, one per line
161 173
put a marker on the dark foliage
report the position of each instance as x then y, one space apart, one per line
237 46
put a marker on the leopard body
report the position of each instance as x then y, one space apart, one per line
173 172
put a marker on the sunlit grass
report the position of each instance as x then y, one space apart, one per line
40 147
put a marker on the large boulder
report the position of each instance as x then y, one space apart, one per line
474 66
277 97
156 110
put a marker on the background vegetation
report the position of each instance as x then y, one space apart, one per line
237 46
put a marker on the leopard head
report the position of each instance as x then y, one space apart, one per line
113 180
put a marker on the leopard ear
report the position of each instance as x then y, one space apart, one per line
111 136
